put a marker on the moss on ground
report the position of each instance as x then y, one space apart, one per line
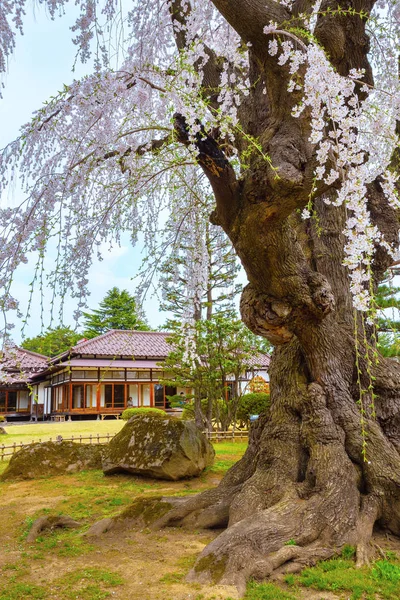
215 568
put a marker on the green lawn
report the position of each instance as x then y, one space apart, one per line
90 496
338 576
44 431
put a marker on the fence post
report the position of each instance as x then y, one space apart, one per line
90 437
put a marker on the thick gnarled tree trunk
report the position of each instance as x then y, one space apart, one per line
310 474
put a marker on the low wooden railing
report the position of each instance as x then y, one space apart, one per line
213 436
227 436
81 439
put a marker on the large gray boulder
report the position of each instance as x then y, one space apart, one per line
52 458
158 446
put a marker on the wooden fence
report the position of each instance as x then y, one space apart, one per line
213 436
227 436
6 451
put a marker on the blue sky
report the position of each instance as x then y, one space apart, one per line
40 66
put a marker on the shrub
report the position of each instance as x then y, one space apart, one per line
2 419
179 400
131 412
252 404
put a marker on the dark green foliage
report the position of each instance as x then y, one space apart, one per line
179 400
131 412
53 341
387 297
117 310
252 404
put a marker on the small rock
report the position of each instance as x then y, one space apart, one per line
3 431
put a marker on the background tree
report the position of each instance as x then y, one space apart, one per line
211 359
291 112
117 310
387 302
53 341
199 276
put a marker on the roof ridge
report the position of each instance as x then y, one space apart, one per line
15 348
33 353
136 331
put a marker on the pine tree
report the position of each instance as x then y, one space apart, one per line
387 302
117 310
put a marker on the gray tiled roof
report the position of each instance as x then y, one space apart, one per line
17 364
260 361
119 342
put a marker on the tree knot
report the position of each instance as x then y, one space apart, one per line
266 316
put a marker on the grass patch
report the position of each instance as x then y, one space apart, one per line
171 578
266 591
382 580
86 584
17 591
61 543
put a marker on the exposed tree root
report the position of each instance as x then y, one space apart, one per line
51 523
306 486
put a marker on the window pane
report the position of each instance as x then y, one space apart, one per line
133 395
108 395
146 394
102 398
159 395
91 396
65 397
23 400
119 396
77 396
12 401
105 375
144 374
132 375
118 374
78 374
90 374
59 398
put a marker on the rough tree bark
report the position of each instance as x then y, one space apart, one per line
304 476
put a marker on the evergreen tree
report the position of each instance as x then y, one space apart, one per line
118 310
387 302
53 341
199 276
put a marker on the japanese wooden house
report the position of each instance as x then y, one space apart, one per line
97 377
18 396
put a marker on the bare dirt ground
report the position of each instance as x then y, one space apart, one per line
64 564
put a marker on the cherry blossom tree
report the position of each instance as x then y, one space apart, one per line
290 111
